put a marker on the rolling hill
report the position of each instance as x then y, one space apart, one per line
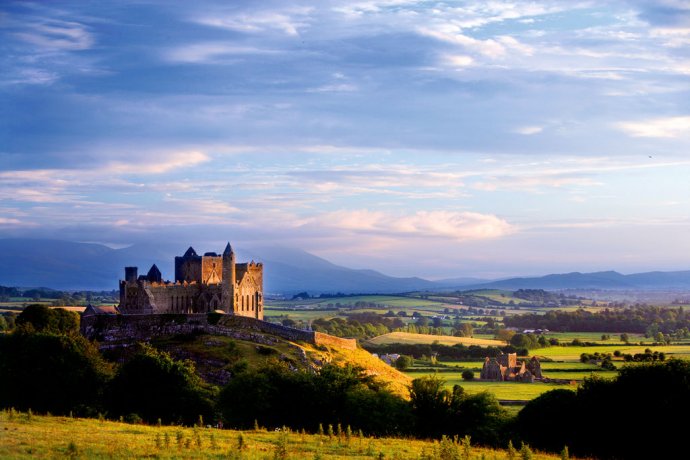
69 265
75 266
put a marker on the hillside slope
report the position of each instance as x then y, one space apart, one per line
215 356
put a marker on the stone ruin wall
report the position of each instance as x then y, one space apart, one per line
113 330
212 269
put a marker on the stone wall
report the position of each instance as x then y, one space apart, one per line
114 329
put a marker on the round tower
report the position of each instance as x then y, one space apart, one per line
229 280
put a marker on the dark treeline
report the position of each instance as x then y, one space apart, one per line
47 367
635 415
61 297
443 352
634 319
542 297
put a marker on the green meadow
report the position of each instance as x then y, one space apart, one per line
45 437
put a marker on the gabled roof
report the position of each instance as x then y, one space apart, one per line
190 252
100 310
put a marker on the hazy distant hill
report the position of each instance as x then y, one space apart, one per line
608 280
293 270
68 265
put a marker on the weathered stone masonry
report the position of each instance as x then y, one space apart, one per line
202 284
113 330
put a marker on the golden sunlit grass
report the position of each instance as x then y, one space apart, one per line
24 436
410 338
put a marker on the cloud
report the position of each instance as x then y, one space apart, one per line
157 164
54 34
460 226
288 21
528 130
669 127
9 221
212 52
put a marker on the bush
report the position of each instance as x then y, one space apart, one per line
153 385
51 373
39 318
403 362
467 375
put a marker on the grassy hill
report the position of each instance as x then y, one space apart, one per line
215 356
25 436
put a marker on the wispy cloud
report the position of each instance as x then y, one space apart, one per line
668 127
55 34
528 130
461 226
212 52
288 21
161 163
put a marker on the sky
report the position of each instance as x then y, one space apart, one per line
418 138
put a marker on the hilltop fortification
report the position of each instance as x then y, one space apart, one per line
202 284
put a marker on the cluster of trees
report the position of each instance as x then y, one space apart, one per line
61 297
442 352
539 297
605 360
646 357
46 367
358 325
655 392
637 319
367 325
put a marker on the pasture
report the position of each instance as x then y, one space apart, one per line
410 338
46 437
573 353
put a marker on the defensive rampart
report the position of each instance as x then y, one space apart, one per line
112 330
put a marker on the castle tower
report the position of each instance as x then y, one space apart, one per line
229 280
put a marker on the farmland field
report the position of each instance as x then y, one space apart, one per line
573 353
409 338
64 437
502 390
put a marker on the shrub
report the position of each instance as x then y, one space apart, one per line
154 386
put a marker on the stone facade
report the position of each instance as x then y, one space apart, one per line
506 367
202 284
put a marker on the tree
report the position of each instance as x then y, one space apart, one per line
403 362
466 330
528 341
648 390
467 375
625 338
504 334
153 385
40 318
430 402
51 373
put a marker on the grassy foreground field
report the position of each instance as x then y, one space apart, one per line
409 338
23 436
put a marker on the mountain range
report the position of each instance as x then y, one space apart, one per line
80 266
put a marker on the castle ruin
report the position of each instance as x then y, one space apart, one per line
506 367
202 284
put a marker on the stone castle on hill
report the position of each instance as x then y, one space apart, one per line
202 284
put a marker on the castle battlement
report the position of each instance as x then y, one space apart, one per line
202 284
